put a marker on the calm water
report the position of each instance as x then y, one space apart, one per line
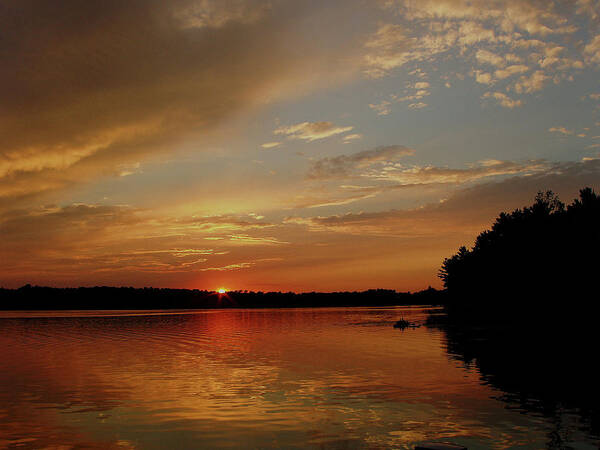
335 378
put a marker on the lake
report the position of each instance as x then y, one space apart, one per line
275 378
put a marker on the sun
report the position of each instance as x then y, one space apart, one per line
222 291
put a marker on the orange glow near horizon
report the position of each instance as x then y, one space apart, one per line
238 176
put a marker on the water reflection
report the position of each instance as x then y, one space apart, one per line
251 378
540 368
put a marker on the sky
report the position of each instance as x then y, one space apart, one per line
283 145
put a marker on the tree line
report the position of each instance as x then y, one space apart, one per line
541 256
128 298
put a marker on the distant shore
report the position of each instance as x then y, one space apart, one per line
128 298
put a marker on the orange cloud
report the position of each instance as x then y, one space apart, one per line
399 249
91 89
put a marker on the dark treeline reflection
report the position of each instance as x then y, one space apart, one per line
522 307
41 298
539 370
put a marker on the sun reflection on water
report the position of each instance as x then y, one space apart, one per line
257 378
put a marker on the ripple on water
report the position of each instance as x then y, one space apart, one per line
333 377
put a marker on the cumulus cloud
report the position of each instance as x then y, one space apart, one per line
388 48
487 57
382 108
592 50
418 95
503 38
483 77
534 17
533 83
436 26
421 85
589 8
561 130
503 99
413 93
311 131
510 71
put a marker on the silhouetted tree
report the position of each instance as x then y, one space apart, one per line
529 256
522 307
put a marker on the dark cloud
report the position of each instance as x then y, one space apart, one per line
51 221
468 210
345 165
363 164
86 86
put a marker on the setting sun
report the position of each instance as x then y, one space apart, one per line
403 197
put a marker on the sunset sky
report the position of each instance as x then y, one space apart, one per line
283 145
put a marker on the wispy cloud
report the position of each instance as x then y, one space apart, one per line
385 174
121 239
352 137
245 239
345 165
311 131
271 144
411 175
467 210
413 93
236 266
89 113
